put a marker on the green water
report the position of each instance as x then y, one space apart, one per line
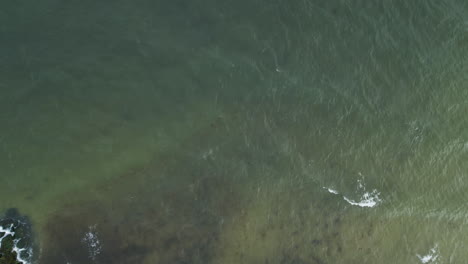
209 131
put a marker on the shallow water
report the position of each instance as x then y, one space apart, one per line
236 131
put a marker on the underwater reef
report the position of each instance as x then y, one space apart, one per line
16 239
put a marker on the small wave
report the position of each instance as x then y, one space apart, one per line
331 190
368 199
431 257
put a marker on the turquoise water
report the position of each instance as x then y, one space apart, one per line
236 131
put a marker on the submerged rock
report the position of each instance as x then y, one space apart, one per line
16 245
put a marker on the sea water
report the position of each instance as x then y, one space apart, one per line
236 131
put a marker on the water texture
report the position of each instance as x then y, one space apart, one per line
189 131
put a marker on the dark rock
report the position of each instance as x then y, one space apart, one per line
16 238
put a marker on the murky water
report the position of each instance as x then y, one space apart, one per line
236 131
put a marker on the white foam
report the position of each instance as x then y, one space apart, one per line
331 190
92 242
18 251
368 199
8 232
431 257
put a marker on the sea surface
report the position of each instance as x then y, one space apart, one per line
236 131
